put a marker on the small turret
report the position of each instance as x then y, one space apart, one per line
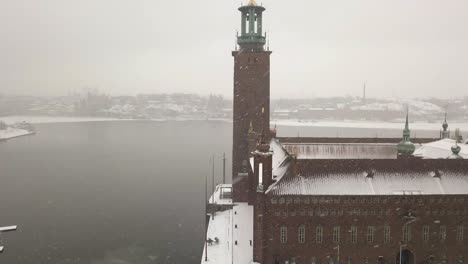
406 147
455 152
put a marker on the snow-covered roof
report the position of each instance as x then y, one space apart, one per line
342 150
281 162
391 181
230 226
440 149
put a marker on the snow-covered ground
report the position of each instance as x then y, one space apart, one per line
369 124
234 230
11 132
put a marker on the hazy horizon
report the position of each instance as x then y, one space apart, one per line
320 48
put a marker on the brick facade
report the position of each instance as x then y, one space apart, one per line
251 94
362 213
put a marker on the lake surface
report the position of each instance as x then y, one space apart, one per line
118 192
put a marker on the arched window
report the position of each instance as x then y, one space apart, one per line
312 260
381 260
283 234
301 234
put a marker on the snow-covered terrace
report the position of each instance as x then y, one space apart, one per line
234 230
222 194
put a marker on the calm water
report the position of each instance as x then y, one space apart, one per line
116 192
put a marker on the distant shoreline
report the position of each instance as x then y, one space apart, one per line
283 122
12 133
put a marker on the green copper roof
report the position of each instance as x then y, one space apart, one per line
406 147
455 152
252 34
445 125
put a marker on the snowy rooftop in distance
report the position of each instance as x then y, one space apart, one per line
342 150
229 226
367 124
440 149
383 182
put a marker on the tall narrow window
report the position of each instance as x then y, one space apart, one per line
442 233
386 231
336 234
370 234
460 230
301 234
407 233
284 234
260 173
354 234
319 234
255 29
426 233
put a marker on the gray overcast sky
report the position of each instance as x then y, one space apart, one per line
321 47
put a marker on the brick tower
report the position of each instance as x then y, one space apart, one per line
251 93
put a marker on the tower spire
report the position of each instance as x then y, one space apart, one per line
445 125
406 123
445 133
406 147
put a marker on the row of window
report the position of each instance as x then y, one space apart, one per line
337 200
365 260
370 234
360 212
